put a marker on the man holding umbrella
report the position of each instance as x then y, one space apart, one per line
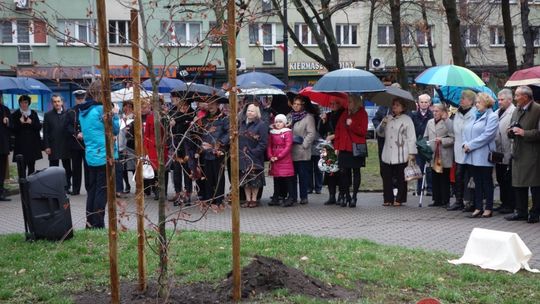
420 119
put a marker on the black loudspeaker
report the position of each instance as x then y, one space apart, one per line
45 204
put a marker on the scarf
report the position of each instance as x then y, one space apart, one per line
479 114
26 113
297 116
501 112
464 111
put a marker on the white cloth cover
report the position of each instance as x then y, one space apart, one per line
496 250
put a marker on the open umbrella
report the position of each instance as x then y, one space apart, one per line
324 98
386 98
197 90
530 76
126 94
349 81
450 75
259 90
452 95
259 79
22 85
165 85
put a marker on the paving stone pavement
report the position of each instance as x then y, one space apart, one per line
430 228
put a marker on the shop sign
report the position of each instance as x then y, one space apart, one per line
115 71
307 68
194 71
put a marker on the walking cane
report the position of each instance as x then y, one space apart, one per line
423 184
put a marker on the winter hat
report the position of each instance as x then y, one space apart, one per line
280 117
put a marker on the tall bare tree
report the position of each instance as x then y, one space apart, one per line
319 21
528 35
509 44
458 50
427 31
395 8
373 4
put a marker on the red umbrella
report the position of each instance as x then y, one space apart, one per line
324 98
524 77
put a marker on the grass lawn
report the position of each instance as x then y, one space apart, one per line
371 178
51 272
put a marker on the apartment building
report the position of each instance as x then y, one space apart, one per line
53 41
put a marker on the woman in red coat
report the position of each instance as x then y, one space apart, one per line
149 143
279 152
350 144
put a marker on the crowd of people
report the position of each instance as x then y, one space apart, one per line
304 149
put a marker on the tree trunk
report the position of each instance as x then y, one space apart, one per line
400 61
509 44
370 31
458 51
428 34
528 36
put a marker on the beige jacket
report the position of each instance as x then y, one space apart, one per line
304 128
399 139
503 143
445 131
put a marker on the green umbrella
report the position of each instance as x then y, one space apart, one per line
450 75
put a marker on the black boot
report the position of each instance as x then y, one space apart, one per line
352 204
346 201
331 199
341 199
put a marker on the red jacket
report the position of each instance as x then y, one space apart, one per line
149 141
280 145
354 133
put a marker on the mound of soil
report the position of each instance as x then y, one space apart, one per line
262 275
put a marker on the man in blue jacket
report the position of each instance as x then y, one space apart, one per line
91 118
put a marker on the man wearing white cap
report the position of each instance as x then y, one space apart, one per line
76 143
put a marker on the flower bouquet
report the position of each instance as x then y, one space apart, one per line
328 162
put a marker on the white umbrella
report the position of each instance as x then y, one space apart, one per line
127 94
260 90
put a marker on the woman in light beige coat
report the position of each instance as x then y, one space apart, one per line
399 148
440 135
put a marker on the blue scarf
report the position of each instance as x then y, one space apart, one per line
479 114
297 116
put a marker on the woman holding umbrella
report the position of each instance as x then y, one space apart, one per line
350 144
399 148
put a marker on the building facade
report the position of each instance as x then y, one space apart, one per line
55 41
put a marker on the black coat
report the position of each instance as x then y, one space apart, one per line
252 141
56 136
4 130
182 123
73 128
27 138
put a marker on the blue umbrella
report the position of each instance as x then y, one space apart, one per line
259 78
165 85
349 81
22 85
452 95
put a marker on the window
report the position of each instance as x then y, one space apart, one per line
422 35
266 6
496 36
268 56
119 32
469 34
262 34
24 54
76 32
536 34
215 33
23 31
6 31
385 35
346 34
181 33
304 34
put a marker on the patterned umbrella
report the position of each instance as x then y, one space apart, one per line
450 75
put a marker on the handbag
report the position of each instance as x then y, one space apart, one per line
437 161
297 139
495 157
147 170
412 171
359 150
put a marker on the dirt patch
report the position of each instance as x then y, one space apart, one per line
261 276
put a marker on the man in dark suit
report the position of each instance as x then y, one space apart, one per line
4 147
76 144
55 137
